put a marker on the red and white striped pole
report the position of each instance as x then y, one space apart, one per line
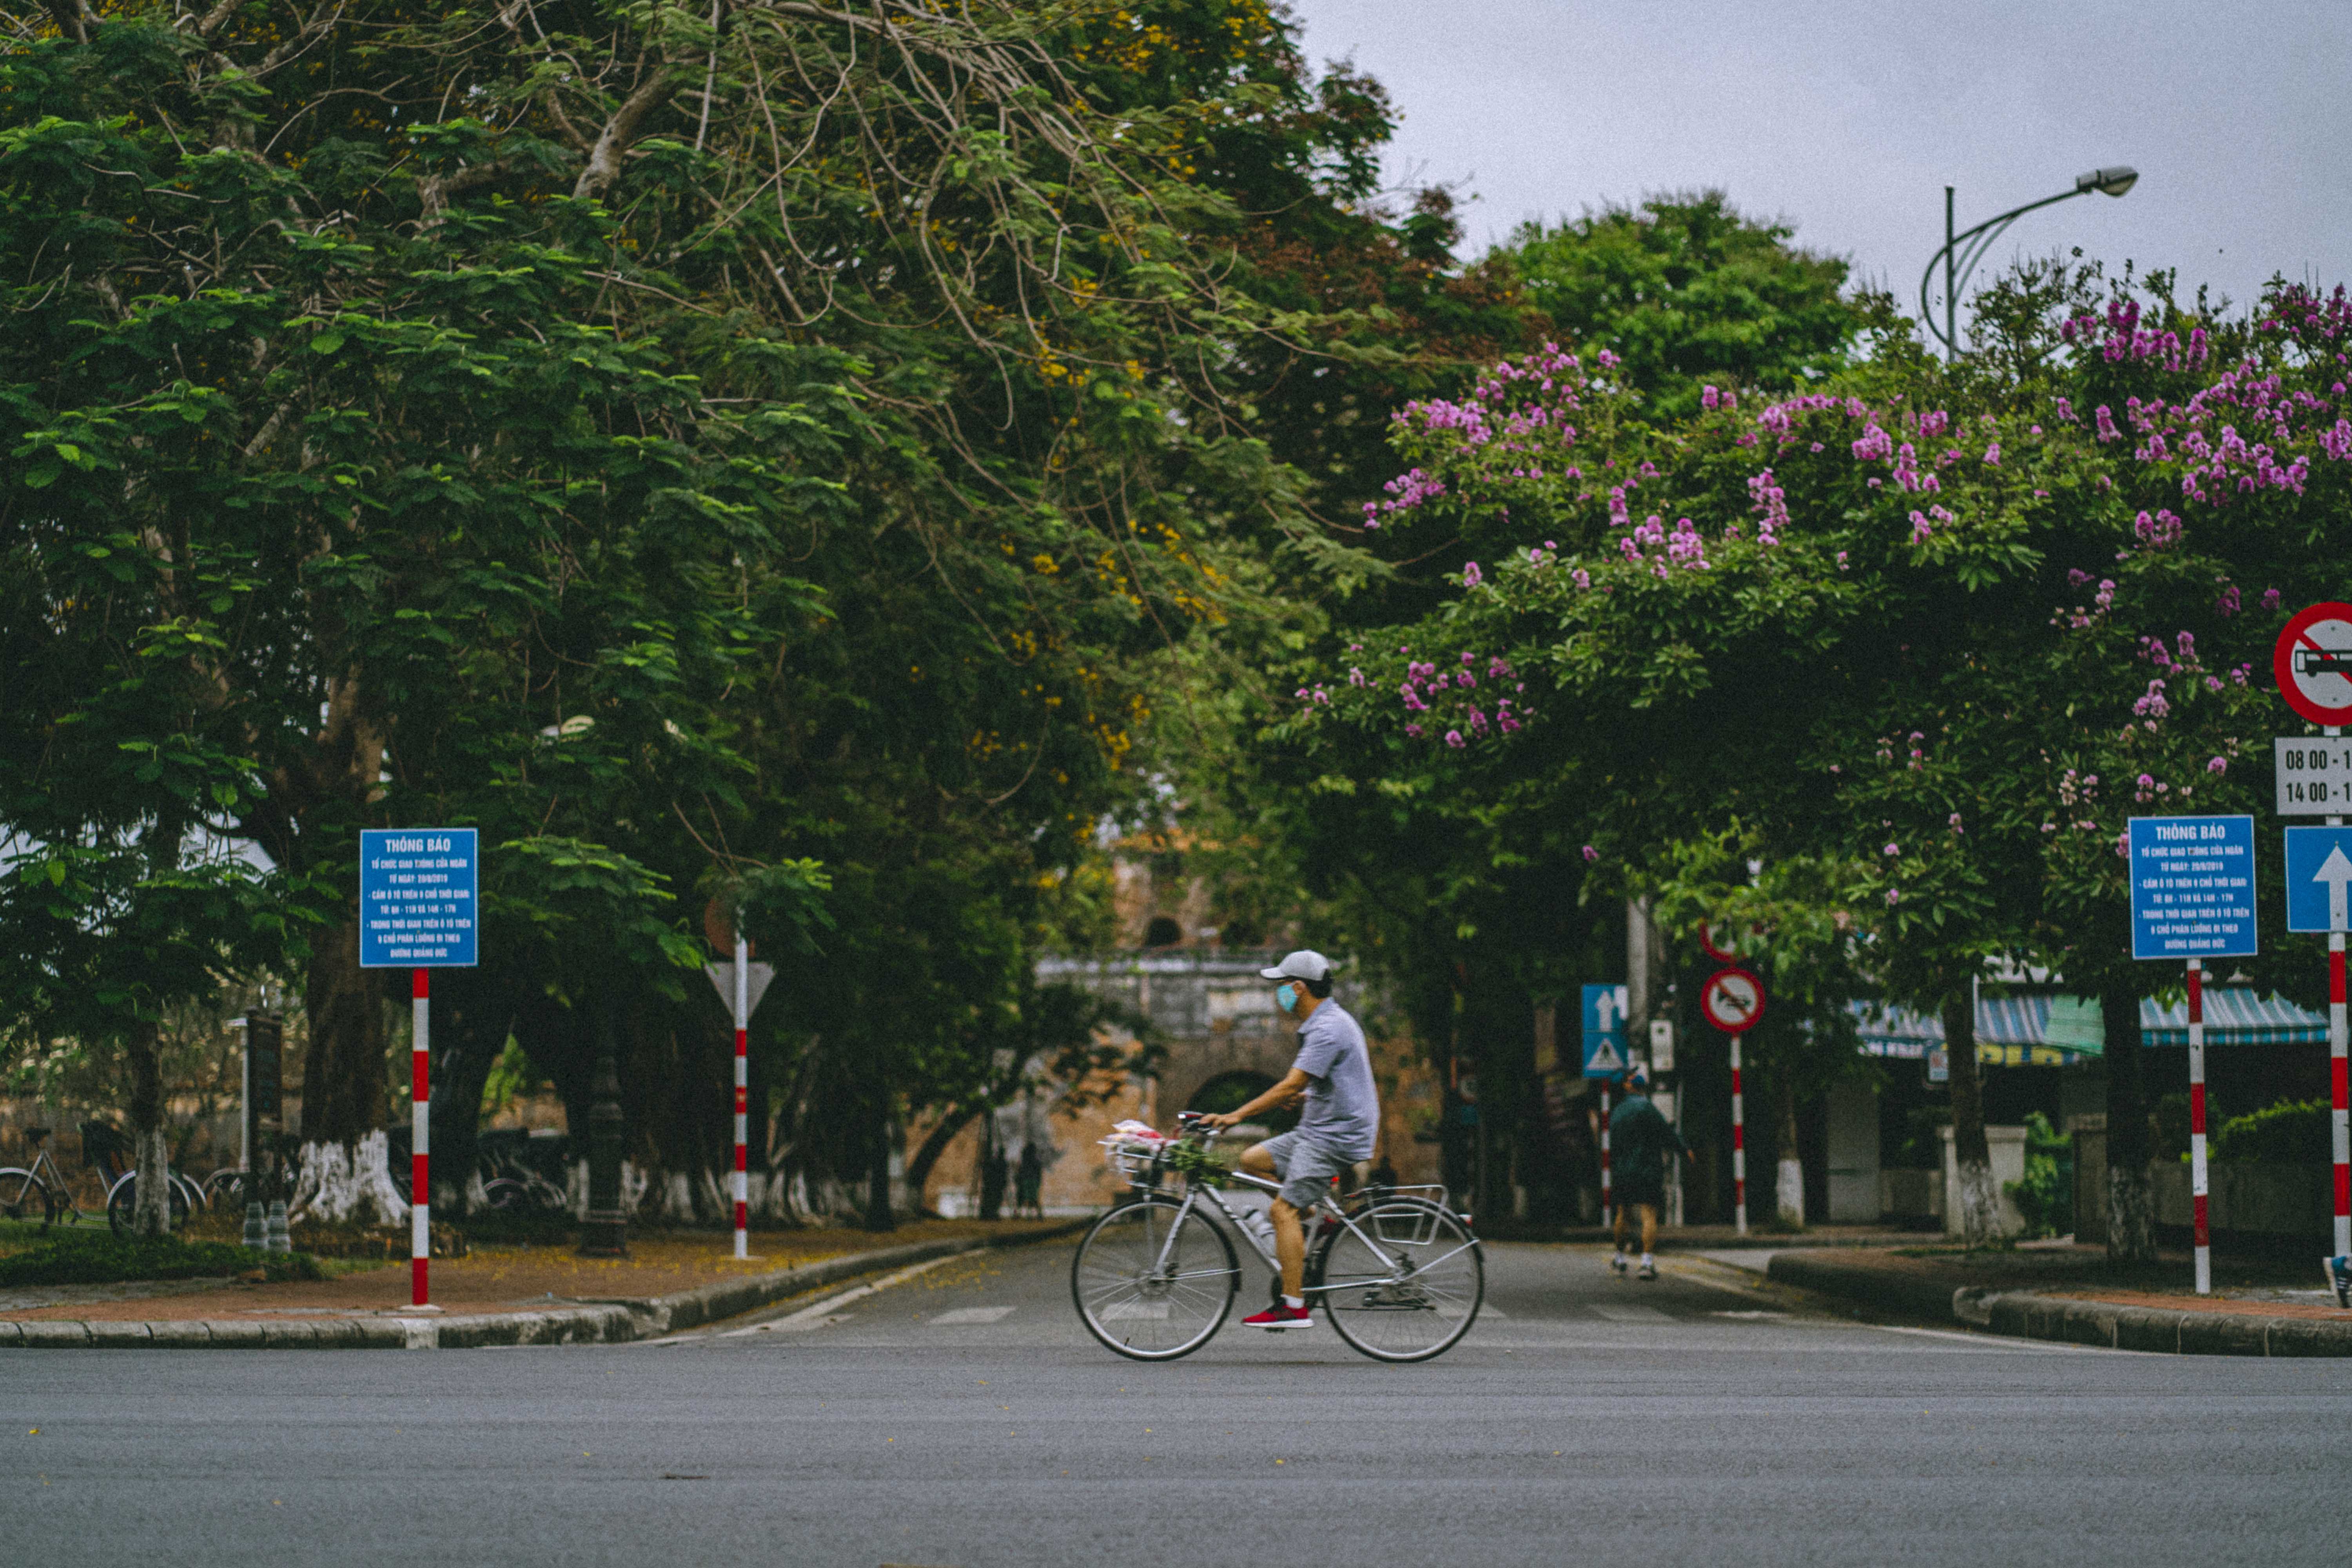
1739 1144
742 1094
2336 1096
2197 1188
1607 1213
420 1157
2341 1129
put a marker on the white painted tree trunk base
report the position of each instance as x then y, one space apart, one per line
1979 1200
1789 1193
340 1183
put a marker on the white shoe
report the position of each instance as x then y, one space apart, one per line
1618 1263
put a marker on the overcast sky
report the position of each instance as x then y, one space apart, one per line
1848 120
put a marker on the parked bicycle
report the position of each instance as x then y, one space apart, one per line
1398 1272
110 1153
39 1191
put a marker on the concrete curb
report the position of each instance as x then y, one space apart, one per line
601 1322
2025 1314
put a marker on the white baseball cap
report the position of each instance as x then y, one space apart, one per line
1304 964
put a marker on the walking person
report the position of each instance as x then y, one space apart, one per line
1641 1141
1334 1071
1029 1183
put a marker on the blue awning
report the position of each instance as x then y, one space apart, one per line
2016 1031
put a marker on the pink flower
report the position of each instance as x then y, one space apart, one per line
1355 676
1894 849
1993 456
1893 897
1453 737
1414 730
1471 576
2270 598
2217 765
1591 854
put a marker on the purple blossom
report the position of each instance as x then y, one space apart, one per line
1471 576
1454 738
1893 897
2217 765
1591 854
2270 598
1892 849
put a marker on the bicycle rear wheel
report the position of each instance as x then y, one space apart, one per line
1417 1294
123 1201
1152 1281
24 1195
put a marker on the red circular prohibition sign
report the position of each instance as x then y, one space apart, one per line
1733 1000
2312 663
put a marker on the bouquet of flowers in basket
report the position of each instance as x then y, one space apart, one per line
1140 1153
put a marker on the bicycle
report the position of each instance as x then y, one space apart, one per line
109 1152
39 1188
1398 1272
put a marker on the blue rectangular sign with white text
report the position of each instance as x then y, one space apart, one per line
1604 1031
2318 867
2192 887
419 889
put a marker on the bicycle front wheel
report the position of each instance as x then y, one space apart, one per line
24 1195
1408 1286
1153 1281
123 1204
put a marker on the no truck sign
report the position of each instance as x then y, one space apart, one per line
1733 1000
2312 663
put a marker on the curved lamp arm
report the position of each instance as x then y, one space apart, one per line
1965 249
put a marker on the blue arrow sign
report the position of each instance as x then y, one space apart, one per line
1604 1031
2192 887
2318 869
419 889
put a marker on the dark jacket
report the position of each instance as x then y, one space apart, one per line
1640 1142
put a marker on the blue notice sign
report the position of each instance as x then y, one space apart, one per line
2192 887
1604 1031
418 891
2318 865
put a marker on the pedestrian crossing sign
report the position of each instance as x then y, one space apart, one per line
1604 1031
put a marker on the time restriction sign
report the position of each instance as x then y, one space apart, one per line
1733 1000
2312 662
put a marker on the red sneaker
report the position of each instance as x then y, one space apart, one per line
1281 1316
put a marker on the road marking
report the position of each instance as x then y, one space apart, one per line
816 1315
1985 1342
1632 1314
1134 1312
972 1315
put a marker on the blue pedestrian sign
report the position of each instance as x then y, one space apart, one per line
1604 1031
2318 865
2192 887
420 888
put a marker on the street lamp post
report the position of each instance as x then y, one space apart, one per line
1963 250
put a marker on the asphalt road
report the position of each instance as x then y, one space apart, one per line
963 1418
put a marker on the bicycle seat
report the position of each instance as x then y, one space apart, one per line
34 1134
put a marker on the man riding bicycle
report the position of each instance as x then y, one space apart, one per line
1342 1117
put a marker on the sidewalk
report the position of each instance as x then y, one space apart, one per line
1716 1237
496 1295
2072 1294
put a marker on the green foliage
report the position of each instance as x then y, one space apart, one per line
70 1258
1685 290
2046 1197
2291 1133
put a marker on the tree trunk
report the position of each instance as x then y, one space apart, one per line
1979 1199
1788 1178
150 1140
878 1170
919 1169
344 1092
2131 1207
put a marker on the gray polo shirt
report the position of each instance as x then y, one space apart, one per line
1343 1104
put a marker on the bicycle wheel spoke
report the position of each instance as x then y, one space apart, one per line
1151 1286
1413 1294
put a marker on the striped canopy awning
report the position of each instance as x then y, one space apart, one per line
2059 1031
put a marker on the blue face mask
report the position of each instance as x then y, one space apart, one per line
1287 996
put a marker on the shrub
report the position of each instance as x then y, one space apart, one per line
99 1258
2292 1132
2046 1197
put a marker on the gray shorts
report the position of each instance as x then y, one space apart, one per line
1306 1166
